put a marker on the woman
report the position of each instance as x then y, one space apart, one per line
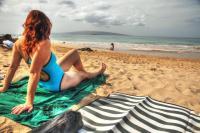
34 48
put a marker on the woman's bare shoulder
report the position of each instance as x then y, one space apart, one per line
45 43
19 42
42 52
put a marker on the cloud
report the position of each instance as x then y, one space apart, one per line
102 6
100 18
68 3
43 1
1 2
97 13
27 9
3 7
24 7
195 20
181 16
137 19
140 24
102 14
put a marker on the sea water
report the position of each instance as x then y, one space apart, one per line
131 43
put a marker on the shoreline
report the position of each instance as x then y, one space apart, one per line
153 53
165 54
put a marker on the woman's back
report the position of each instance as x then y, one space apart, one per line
51 73
26 56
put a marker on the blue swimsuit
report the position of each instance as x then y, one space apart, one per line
51 75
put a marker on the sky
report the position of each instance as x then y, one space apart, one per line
171 18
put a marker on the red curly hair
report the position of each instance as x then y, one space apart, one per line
37 27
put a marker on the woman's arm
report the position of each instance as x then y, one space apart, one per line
40 57
16 59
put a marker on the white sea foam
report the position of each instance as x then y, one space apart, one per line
139 47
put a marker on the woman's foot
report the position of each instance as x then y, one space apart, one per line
99 71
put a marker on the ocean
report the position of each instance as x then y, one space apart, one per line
131 43
157 46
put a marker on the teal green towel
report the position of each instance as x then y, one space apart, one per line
47 104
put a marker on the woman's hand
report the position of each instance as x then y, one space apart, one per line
21 108
2 89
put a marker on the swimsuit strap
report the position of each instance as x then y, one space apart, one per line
28 61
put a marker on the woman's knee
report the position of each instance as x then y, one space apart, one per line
74 50
72 53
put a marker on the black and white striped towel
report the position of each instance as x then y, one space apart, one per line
125 113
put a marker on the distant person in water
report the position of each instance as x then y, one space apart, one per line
51 74
112 46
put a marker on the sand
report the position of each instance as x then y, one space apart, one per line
170 80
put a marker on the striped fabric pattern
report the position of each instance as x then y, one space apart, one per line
124 113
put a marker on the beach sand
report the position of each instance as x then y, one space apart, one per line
170 80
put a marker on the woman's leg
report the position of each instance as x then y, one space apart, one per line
70 59
73 78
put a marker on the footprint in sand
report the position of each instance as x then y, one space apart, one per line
178 86
194 90
162 72
142 77
153 69
156 84
122 72
168 99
